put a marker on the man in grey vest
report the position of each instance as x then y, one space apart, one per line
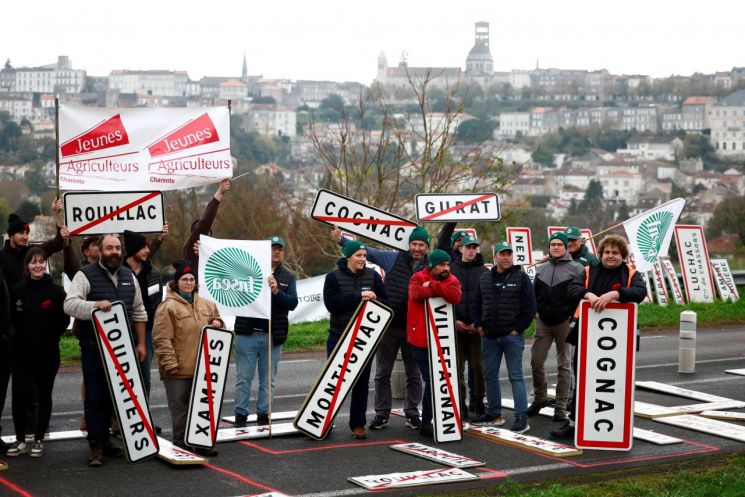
399 266
96 286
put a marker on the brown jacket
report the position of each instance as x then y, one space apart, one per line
176 331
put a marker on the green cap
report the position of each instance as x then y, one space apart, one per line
438 256
573 233
469 240
277 240
351 247
420 234
501 247
456 235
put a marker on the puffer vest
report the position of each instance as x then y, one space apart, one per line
501 302
102 288
348 283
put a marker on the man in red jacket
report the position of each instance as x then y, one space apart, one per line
435 280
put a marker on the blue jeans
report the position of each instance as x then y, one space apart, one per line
422 359
512 347
251 350
358 404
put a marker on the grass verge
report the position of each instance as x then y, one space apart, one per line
716 477
307 337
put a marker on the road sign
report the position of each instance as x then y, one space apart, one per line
98 213
125 382
437 455
522 246
208 387
361 219
354 350
724 280
694 263
412 479
443 370
606 358
454 207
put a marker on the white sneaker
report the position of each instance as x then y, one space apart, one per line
37 449
17 449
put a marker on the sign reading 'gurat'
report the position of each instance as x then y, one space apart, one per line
93 213
447 207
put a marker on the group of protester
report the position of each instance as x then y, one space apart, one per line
493 309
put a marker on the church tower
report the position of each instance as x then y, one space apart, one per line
479 60
244 72
382 68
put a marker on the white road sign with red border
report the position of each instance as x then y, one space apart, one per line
453 207
97 213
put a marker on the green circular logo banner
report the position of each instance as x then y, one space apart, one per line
233 277
651 233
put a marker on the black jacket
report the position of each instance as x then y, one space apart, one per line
342 293
468 273
555 305
38 316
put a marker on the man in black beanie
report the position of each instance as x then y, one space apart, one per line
11 272
137 258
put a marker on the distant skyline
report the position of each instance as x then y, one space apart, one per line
341 41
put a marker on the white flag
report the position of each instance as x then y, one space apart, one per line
650 232
234 275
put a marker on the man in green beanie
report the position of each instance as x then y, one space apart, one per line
555 307
398 266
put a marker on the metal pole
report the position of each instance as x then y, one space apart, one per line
687 343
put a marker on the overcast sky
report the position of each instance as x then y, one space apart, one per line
340 40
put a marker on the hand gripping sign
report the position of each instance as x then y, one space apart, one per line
208 387
453 207
125 383
606 356
358 218
95 213
354 350
443 370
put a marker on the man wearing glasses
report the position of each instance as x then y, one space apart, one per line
252 340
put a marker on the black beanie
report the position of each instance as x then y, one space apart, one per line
182 267
133 242
16 224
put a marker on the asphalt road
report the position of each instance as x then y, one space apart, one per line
297 465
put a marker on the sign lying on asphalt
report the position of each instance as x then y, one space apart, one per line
98 213
361 219
176 455
437 455
705 425
524 441
125 382
412 479
453 207
208 387
350 357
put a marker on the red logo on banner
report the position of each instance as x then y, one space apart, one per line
200 131
108 134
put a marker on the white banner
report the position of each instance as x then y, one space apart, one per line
606 358
144 148
650 233
668 270
724 280
443 368
94 213
125 382
522 246
361 219
694 263
208 387
354 350
234 275
448 207
309 301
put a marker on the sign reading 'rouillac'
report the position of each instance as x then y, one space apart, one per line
95 213
143 149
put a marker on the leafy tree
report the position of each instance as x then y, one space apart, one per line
729 217
264 100
543 155
475 131
28 210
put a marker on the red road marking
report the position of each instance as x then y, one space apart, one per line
491 473
242 478
456 404
316 449
361 220
15 488
457 207
135 400
344 368
206 354
114 213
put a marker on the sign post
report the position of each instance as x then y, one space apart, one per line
606 356
122 370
